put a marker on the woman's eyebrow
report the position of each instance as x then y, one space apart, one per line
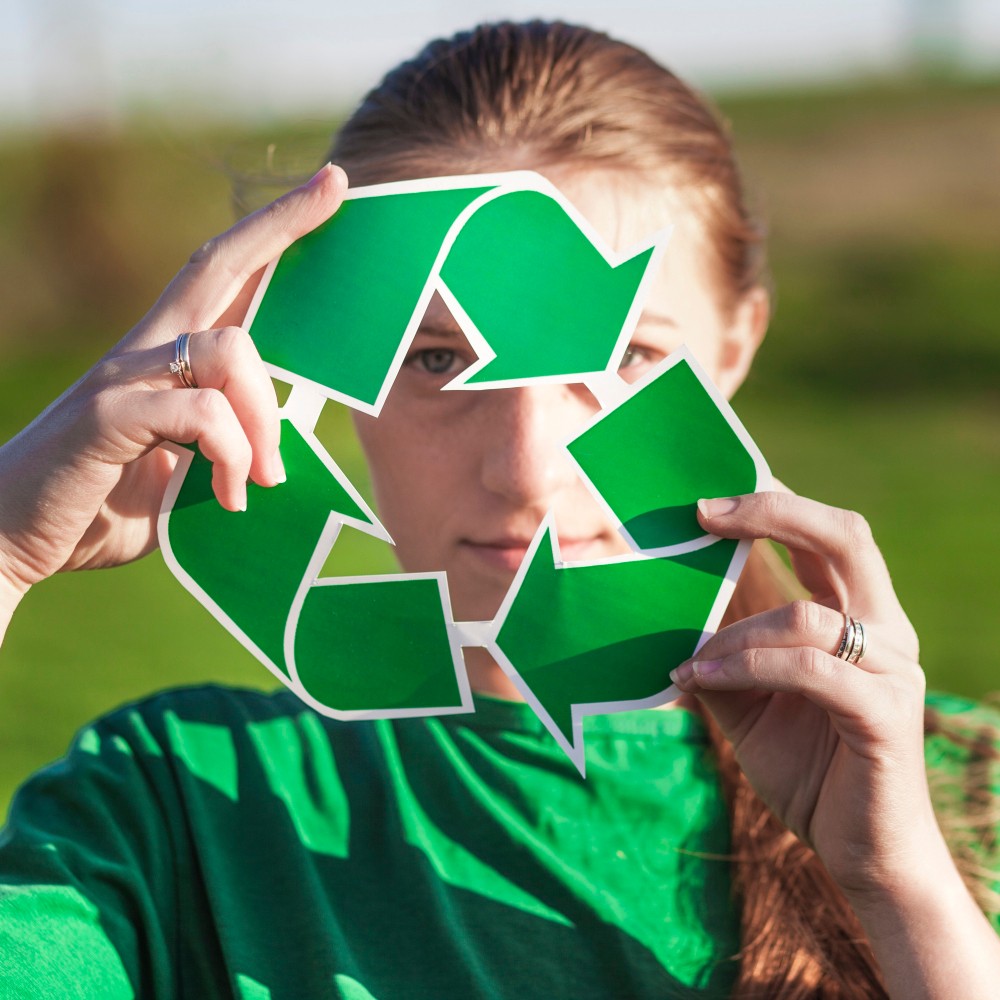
657 319
438 330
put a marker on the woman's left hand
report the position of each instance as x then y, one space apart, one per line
834 748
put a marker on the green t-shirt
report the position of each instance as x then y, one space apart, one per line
222 843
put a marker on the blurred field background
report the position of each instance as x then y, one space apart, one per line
878 388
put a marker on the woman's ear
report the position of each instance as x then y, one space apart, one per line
742 338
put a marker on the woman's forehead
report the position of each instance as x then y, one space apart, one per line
438 319
625 207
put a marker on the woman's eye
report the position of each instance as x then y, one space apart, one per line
634 356
436 361
637 360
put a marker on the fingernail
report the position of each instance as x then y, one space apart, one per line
723 505
319 176
278 473
702 668
682 674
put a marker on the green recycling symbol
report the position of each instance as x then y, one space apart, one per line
540 297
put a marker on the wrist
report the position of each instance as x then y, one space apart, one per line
879 859
904 875
927 891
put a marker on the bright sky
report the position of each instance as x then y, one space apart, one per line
68 59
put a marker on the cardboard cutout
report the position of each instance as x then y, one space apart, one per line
540 298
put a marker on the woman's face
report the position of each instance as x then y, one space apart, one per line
462 479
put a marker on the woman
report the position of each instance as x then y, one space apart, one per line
217 843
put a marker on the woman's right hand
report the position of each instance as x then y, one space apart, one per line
81 485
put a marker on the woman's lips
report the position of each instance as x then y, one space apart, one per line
505 556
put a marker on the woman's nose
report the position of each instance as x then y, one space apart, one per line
524 458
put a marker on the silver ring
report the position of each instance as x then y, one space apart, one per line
846 638
181 365
861 645
854 642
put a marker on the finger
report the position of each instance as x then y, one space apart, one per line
806 623
736 689
220 269
227 360
236 312
193 415
857 571
800 623
831 684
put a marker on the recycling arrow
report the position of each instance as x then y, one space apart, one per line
584 639
249 567
514 294
258 574
343 302
648 460
338 309
378 647
604 636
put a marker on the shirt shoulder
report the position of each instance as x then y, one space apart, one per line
960 731
962 750
105 849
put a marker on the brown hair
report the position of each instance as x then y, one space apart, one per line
538 94
799 936
508 96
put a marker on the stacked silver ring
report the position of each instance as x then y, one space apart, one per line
854 643
181 365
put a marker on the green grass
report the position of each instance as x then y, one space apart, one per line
878 388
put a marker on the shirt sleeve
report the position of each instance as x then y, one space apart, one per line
88 876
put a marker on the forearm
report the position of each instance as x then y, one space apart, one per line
929 936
